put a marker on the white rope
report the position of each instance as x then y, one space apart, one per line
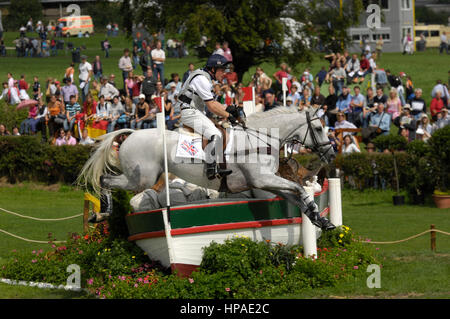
406 239
29 240
39 219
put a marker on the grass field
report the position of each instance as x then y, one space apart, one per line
424 67
409 269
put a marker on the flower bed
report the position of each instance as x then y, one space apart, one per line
238 268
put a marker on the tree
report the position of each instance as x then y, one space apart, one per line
254 30
20 11
104 12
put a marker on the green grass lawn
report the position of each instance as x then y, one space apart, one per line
409 269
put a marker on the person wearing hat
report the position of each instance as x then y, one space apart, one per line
194 99
442 119
85 75
289 101
406 121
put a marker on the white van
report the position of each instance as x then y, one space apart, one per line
72 25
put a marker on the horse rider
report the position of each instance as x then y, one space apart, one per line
196 94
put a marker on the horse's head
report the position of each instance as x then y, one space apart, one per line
313 135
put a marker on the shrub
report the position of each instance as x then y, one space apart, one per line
390 142
439 144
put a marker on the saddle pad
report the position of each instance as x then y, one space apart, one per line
190 146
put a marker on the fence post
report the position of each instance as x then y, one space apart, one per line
433 239
309 232
86 216
335 201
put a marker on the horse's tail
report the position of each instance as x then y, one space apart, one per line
103 160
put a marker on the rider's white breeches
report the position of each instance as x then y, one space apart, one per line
200 123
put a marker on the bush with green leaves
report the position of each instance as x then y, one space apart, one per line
439 157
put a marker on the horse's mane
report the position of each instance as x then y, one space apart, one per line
275 111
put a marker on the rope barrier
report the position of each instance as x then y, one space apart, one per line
406 239
29 240
39 219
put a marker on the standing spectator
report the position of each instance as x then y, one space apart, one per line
72 110
320 76
148 86
106 46
158 58
97 68
23 85
231 77
436 106
36 88
444 43
262 81
330 105
407 44
135 55
115 111
85 75
10 80
379 46
125 65
418 104
145 61
107 90
227 52
280 74
70 71
129 83
439 87
68 90
109 29
393 104
409 88
186 74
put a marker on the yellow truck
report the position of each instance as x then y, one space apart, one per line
432 34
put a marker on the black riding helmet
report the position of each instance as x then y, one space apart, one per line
215 62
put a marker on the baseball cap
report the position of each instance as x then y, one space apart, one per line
289 98
407 106
142 96
420 131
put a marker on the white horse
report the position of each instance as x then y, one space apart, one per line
140 161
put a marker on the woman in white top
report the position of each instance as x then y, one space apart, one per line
349 146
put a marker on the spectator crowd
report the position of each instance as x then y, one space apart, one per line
360 95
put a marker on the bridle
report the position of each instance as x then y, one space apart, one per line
292 139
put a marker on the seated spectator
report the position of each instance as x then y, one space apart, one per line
380 97
330 106
393 104
294 95
89 109
381 120
343 123
441 88
15 131
357 105
70 140
338 77
335 143
26 124
436 106
39 121
418 104
289 101
305 100
349 146
94 90
130 80
403 131
231 77
279 75
352 68
101 116
5 91
56 114
442 119
420 134
405 121
72 110
129 114
3 130
343 103
142 113
425 125
61 139
116 109
36 89
150 121
107 90
85 139
14 94
317 100
269 100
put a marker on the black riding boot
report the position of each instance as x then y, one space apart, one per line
212 170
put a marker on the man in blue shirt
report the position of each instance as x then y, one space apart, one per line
381 120
357 105
343 102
